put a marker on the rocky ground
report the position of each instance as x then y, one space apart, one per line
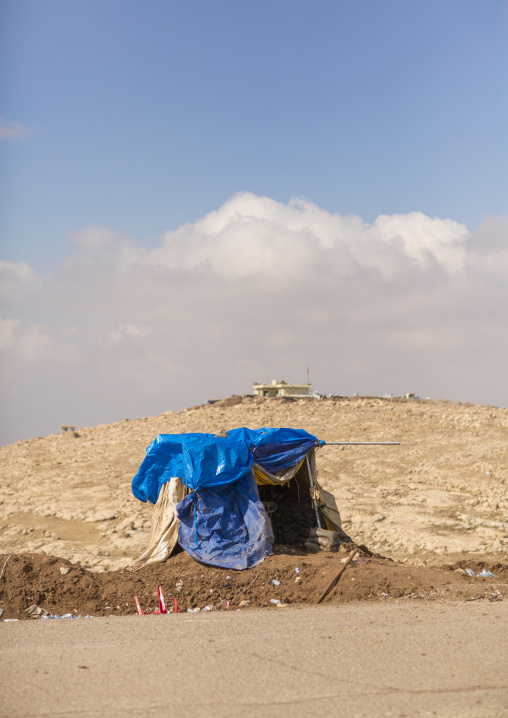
430 511
439 497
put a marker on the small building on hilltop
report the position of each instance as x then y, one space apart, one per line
282 388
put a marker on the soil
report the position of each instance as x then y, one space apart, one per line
37 580
438 499
441 496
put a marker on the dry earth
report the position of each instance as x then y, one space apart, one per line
37 586
439 497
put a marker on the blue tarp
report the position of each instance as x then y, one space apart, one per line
198 459
276 449
226 526
222 522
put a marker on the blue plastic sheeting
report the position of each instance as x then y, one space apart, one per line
276 449
226 526
222 522
200 460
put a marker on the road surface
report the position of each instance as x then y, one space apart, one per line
395 658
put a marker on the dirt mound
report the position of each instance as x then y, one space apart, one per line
56 586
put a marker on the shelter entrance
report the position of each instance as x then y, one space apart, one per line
291 513
302 514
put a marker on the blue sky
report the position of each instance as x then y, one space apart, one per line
139 118
148 115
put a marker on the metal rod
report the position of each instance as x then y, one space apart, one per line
362 443
318 517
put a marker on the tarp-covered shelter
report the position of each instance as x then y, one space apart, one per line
221 497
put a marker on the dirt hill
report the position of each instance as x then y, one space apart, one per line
441 496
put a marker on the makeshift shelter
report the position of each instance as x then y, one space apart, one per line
222 498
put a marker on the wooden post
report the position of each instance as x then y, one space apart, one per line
335 580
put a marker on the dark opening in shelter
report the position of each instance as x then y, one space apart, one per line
292 515
300 511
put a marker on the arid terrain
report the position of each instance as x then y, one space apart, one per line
427 509
441 496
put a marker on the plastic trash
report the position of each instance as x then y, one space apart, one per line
274 601
483 573
297 570
276 583
208 608
34 611
67 615
138 607
162 603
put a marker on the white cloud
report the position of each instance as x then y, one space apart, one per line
424 239
128 332
16 280
93 239
7 334
36 345
13 130
253 236
259 289
28 343
488 247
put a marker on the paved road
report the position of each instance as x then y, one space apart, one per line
385 659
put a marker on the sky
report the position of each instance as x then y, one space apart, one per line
198 195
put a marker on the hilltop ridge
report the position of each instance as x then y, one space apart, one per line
442 494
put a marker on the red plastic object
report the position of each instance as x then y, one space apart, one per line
162 603
176 605
140 610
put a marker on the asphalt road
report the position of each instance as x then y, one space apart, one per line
397 658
